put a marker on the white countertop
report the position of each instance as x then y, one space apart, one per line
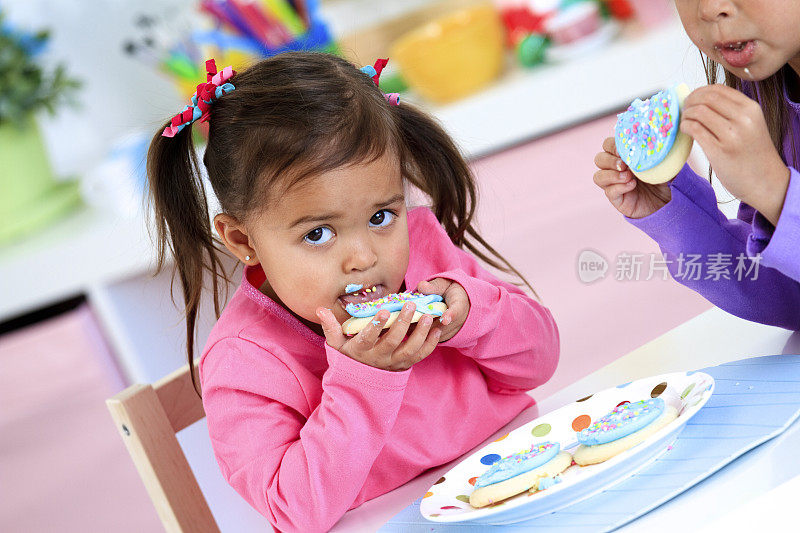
711 338
768 512
86 248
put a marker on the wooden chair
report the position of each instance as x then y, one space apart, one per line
148 417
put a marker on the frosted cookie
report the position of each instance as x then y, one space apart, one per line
364 313
648 137
534 469
623 428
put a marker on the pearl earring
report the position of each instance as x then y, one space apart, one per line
247 258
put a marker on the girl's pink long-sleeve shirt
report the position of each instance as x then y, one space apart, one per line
305 433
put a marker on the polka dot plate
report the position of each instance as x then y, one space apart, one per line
448 499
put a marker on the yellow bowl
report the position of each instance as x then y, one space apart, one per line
452 56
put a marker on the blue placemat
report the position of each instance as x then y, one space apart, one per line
734 420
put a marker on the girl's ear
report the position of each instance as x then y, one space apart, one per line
234 236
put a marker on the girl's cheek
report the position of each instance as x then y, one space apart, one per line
400 256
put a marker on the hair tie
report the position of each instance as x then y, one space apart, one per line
206 94
374 72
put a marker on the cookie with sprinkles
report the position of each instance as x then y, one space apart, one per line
624 427
362 313
532 469
648 137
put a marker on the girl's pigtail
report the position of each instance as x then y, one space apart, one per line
435 165
182 224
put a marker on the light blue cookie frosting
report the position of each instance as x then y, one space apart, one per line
519 463
394 302
645 133
548 482
622 421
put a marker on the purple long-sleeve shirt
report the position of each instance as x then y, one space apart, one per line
732 276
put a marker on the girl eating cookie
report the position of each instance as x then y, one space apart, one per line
312 166
749 127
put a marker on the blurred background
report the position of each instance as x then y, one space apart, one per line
527 88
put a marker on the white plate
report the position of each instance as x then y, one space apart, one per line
448 499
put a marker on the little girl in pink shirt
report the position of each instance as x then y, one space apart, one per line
312 166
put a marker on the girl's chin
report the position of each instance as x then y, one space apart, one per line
754 71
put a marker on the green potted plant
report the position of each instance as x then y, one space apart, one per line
29 196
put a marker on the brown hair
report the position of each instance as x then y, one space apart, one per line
769 95
290 117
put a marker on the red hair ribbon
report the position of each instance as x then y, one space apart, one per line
374 72
205 95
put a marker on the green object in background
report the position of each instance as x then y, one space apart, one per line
531 49
25 86
30 197
393 83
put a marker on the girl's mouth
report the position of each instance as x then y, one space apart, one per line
737 54
366 294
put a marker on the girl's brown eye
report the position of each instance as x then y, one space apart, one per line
382 218
377 218
318 236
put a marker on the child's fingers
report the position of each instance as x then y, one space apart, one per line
704 137
331 328
715 123
604 178
417 338
430 344
606 161
397 331
610 146
726 101
367 337
434 286
456 309
615 193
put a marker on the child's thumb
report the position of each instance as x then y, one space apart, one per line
434 286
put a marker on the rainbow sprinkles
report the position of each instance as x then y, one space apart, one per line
394 302
645 133
519 463
622 421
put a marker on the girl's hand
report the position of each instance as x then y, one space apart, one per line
457 302
731 129
389 351
631 197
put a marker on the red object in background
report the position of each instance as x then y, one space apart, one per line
620 9
521 22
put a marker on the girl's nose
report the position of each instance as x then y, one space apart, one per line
714 10
360 257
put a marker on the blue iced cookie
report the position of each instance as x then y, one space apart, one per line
623 428
362 313
517 463
622 421
648 137
395 302
533 469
